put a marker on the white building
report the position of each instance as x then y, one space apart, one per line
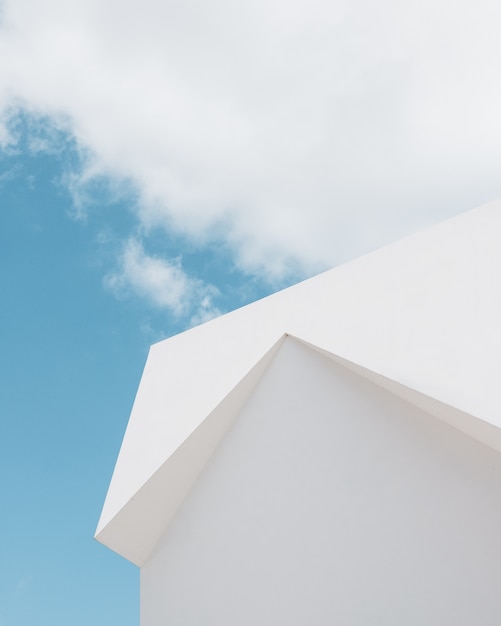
329 454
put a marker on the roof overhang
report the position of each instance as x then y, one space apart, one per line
419 318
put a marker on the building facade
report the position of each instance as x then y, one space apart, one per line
330 454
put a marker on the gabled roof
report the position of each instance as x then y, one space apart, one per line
420 317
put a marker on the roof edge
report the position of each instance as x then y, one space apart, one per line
479 429
135 529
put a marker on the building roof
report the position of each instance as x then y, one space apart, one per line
420 317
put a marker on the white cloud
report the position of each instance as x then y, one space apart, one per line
163 283
5 136
300 133
9 174
206 310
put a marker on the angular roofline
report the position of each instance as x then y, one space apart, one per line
419 317
135 529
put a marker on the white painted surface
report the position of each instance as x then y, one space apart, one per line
135 530
331 501
422 313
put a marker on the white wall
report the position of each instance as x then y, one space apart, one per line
330 501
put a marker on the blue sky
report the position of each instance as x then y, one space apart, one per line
72 356
162 163
69 367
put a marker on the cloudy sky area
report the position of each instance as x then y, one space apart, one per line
163 162
295 134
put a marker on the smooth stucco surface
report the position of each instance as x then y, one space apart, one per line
332 501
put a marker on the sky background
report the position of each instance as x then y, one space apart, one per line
164 162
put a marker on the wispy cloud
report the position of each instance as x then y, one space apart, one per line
162 282
298 133
5 137
9 174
